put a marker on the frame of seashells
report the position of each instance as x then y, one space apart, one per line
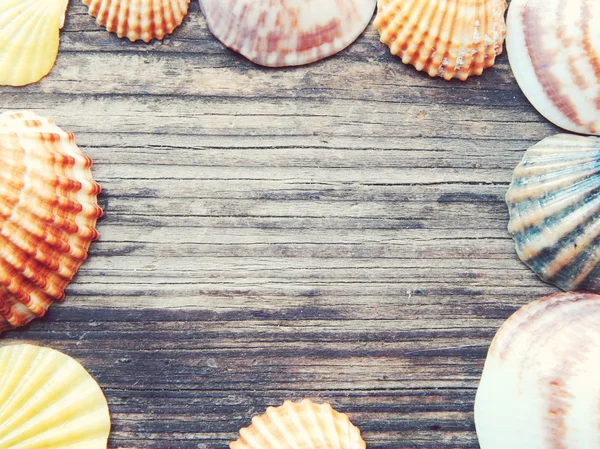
539 383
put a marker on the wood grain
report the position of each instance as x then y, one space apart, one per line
335 231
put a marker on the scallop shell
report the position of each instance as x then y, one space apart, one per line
29 39
554 205
48 213
49 401
279 33
139 19
539 388
554 53
450 38
302 425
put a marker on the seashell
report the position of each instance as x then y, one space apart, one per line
451 39
554 53
29 39
554 206
139 19
48 213
304 425
539 388
279 33
48 400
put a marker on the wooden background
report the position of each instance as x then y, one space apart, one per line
335 231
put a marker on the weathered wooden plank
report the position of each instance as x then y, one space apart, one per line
175 116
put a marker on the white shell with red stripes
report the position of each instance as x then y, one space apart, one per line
554 51
540 388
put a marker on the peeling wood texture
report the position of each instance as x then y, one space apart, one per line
335 231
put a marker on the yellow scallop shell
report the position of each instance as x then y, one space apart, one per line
49 401
29 39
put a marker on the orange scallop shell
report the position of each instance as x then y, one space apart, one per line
450 38
139 19
300 425
48 214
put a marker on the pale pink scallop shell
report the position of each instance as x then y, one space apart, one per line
279 33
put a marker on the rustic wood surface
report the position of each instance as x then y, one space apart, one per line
335 231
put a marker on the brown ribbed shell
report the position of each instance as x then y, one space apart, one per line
451 39
48 214
139 19
554 207
304 425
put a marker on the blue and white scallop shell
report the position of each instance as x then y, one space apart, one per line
554 206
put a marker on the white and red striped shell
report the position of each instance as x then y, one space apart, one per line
139 19
540 388
279 33
554 52
48 214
